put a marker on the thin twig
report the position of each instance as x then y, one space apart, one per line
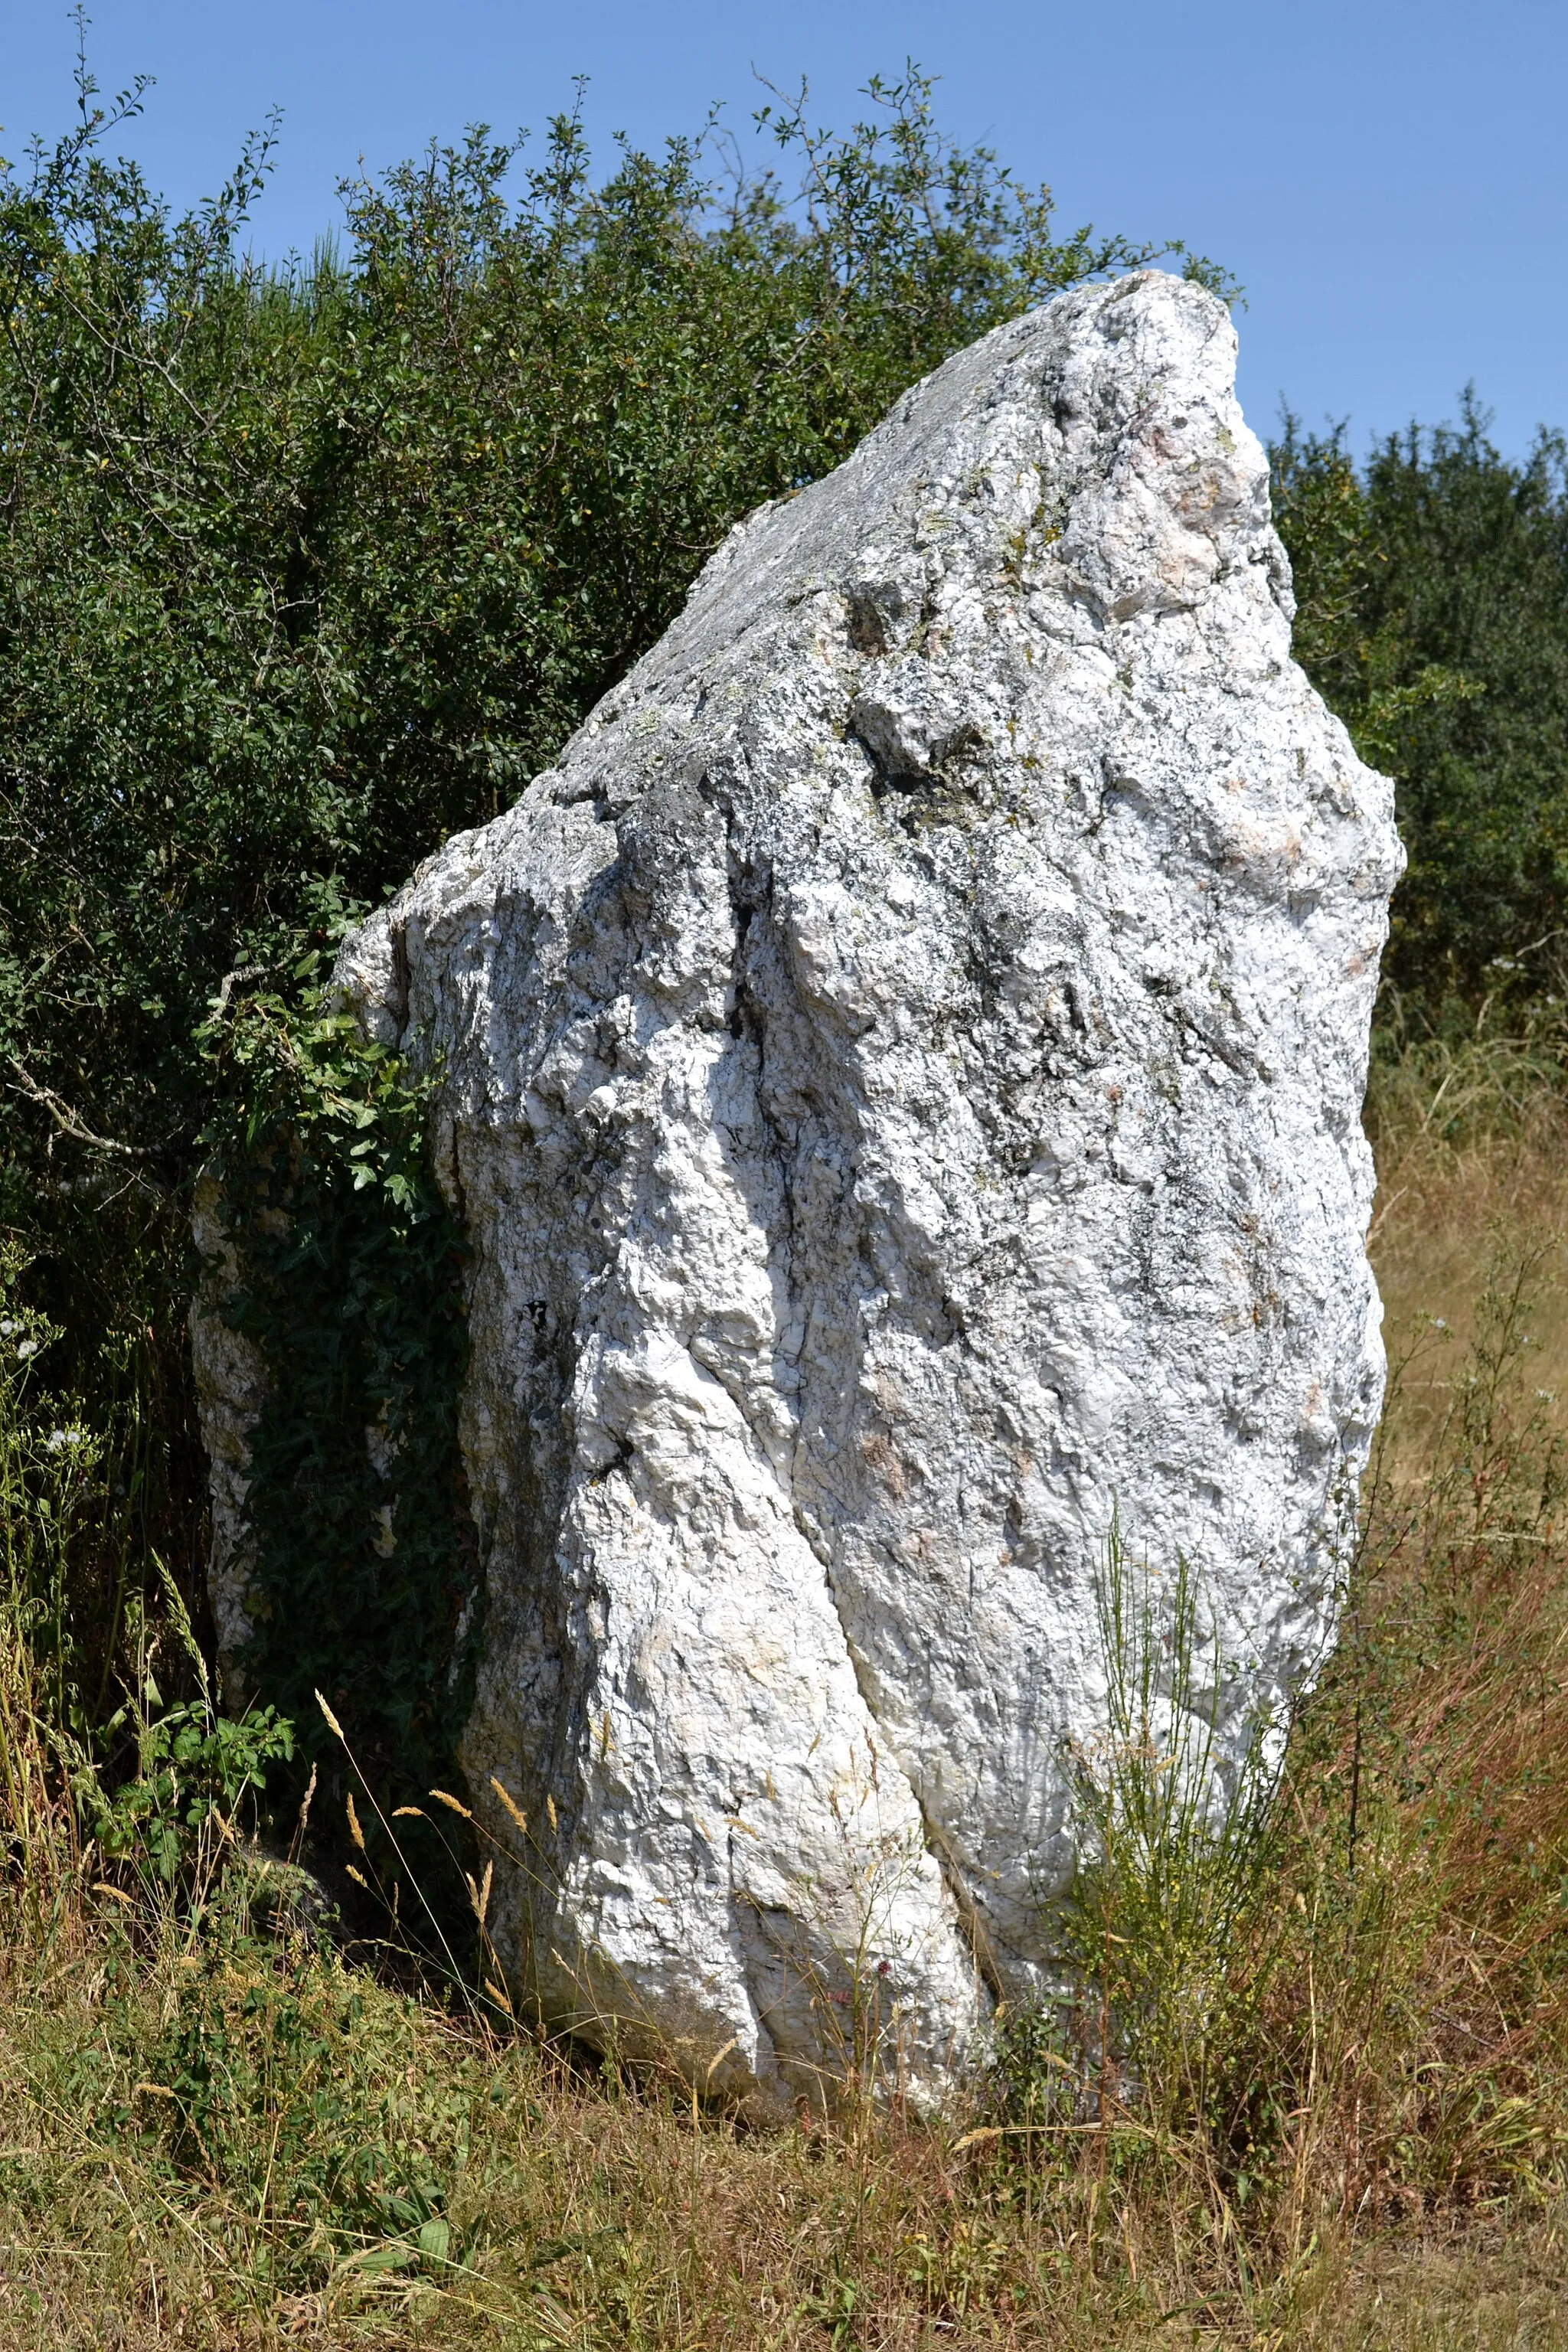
68 1123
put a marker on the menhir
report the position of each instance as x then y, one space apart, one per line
901 1072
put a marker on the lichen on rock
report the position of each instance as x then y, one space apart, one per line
901 1074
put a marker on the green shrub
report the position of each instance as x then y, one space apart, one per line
1433 587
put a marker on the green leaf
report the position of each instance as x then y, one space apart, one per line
435 2240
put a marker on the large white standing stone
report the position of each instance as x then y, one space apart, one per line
902 1074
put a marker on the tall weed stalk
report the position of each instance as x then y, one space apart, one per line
1176 1837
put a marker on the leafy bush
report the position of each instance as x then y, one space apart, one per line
1433 587
305 570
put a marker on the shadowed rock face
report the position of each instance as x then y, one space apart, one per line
902 1074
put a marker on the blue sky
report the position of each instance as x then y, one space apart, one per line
1389 180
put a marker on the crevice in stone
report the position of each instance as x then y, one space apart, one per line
964 1903
398 1003
747 1021
938 1844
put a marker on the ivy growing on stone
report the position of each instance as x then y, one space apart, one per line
365 1579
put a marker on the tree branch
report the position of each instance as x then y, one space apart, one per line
67 1121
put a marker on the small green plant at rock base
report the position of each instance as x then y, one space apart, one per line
838 2311
194 1767
171 1820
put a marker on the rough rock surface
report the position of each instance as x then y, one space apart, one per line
902 1076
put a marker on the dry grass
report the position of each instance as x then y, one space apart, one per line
1472 1148
582 2215
1347 2126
